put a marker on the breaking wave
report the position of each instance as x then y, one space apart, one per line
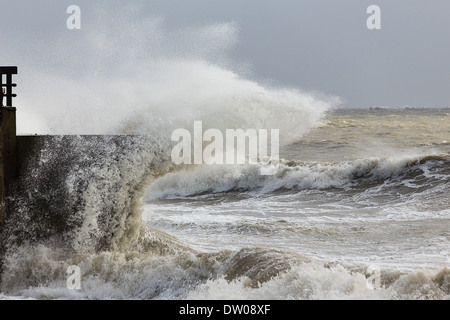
78 200
412 172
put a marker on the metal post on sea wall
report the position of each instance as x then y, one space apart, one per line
8 164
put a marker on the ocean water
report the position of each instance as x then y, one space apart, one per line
367 186
358 208
367 189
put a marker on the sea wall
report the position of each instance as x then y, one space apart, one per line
8 156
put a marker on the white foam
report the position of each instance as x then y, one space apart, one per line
221 178
137 76
188 276
314 282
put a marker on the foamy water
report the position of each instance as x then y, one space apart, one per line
353 192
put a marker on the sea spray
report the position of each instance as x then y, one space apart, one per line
79 200
83 191
129 75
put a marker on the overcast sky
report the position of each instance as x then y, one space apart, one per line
319 45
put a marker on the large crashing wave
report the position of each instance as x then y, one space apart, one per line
130 77
137 76
78 201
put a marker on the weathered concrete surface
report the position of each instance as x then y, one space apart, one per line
8 163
